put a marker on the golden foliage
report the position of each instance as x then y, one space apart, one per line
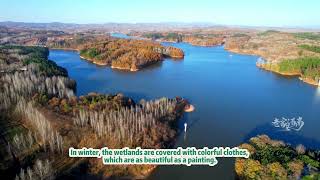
129 54
263 140
252 169
276 171
295 168
249 147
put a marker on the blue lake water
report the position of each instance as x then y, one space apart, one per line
234 100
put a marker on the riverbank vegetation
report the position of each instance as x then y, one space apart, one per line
291 54
273 159
308 68
41 117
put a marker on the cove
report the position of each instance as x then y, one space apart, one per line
234 100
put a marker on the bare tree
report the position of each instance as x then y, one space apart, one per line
41 170
21 142
44 129
125 123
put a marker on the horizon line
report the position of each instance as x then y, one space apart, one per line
314 27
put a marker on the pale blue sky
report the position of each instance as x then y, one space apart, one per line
229 12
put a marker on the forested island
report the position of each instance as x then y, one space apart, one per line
126 54
41 118
273 159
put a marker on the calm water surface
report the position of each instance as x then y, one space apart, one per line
234 100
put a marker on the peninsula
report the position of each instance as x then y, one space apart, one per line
42 117
285 53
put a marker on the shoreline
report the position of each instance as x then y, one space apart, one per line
52 112
111 66
81 57
261 66
149 171
189 108
293 74
65 49
305 80
93 61
126 69
187 42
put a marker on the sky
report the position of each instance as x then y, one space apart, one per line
280 13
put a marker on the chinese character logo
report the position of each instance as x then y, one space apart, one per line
288 124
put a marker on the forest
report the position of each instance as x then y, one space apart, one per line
171 36
128 54
273 159
307 66
41 117
194 38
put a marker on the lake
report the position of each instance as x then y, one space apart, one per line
234 100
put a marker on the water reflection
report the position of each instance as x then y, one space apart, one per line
185 137
317 97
